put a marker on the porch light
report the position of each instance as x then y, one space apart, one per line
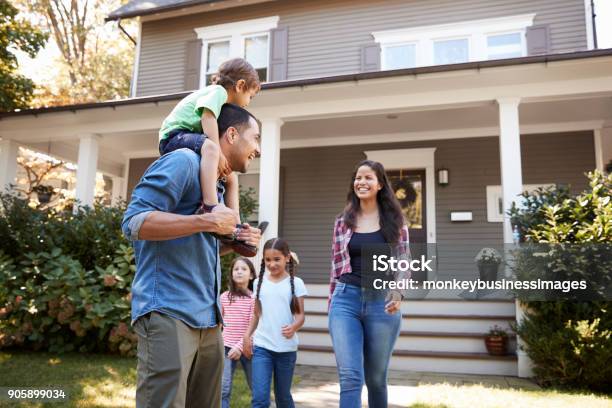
443 177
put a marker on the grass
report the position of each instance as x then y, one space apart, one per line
90 380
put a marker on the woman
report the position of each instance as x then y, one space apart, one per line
364 328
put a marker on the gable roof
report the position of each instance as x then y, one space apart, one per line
136 8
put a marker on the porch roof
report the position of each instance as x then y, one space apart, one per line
330 80
136 8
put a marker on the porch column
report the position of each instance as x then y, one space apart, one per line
117 193
512 186
8 162
603 147
269 175
510 157
86 169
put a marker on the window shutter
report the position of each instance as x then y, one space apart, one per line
193 65
538 40
278 54
370 58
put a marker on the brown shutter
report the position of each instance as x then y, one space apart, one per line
370 58
538 40
279 38
193 65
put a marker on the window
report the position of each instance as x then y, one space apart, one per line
455 43
495 202
245 39
504 46
399 56
451 51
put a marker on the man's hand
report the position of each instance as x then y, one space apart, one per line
249 234
224 220
234 354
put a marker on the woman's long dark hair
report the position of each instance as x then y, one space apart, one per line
391 216
234 291
281 245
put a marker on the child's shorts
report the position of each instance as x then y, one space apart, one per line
179 139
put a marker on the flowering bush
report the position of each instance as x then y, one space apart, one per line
488 256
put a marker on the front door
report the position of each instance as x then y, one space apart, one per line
409 187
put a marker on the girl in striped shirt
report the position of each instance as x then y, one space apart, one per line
237 310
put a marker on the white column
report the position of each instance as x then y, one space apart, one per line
86 169
117 194
269 175
510 157
512 186
269 181
8 162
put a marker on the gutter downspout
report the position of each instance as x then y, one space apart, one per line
127 34
593 15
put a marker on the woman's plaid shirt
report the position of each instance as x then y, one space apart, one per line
341 261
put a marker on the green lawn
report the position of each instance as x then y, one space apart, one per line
91 380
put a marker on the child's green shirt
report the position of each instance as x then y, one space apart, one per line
187 114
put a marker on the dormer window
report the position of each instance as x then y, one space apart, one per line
247 39
455 43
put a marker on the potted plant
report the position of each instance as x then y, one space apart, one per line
488 260
44 193
496 341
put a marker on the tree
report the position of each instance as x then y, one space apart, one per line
94 61
16 34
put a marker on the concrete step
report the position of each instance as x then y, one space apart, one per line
433 306
432 361
415 340
432 322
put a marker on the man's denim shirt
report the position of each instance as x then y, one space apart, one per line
178 277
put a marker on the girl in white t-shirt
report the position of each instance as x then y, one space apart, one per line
279 314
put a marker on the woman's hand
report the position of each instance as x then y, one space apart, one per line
393 306
288 331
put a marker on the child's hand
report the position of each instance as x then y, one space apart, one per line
247 347
288 331
224 167
234 354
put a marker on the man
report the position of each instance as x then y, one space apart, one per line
175 293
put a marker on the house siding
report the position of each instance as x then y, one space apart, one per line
325 37
314 195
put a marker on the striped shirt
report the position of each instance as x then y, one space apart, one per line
236 318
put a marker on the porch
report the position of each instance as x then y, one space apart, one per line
495 128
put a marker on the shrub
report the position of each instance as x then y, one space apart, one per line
65 277
570 342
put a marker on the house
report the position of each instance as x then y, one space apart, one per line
468 101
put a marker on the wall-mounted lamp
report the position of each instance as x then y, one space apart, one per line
443 177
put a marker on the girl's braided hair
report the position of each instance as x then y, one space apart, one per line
233 70
233 290
282 246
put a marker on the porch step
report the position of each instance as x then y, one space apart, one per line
433 306
418 360
430 341
432 322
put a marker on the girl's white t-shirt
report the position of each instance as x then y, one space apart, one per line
275 299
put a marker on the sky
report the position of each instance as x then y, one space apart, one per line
41 68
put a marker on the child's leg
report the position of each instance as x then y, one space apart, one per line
247 366
284 364
262 377
232 196
209 166
229 366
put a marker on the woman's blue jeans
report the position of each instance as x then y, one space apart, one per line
363 336
265 364
229 366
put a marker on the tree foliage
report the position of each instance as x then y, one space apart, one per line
95 60
16 34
